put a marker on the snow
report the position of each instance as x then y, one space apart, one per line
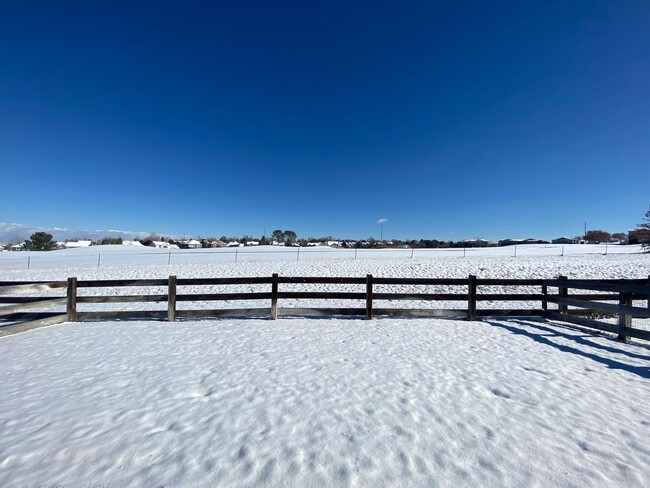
530 261
77 244
323 402
119 262
306 402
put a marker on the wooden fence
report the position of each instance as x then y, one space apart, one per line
19 312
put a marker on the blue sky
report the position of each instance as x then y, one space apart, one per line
450 119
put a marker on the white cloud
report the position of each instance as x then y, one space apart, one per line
18 232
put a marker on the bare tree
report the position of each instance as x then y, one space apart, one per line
597 236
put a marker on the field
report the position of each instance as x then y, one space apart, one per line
329 401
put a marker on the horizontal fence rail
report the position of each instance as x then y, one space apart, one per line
607 298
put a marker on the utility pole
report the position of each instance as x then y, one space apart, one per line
381 223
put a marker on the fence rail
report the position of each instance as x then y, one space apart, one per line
18 311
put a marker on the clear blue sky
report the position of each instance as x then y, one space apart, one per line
450 119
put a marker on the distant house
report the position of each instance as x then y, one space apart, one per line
510 242
253 243
163 245
564 240
159 244
514 242
131 243
234 244
473 243
635 237
333 243
190 244
76 244
18 247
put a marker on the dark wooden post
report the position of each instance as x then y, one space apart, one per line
274 297
471 298
562 292
544 302
71 306
171 299
648 297
369 297
624 320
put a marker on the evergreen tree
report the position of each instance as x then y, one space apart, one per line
290 237
40 241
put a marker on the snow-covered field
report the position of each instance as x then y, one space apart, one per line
324 402
119 256
544 261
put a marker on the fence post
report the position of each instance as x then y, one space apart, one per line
99 259
171 299
28 259
274 296
298 255
71 306
471 298
544 302
169 259
369 297
355 253
648 298
236 252
624 320
562 292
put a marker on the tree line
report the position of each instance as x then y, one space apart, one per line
42 241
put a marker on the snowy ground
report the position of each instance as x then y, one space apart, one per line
329 402
323 402
543 261
120 256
